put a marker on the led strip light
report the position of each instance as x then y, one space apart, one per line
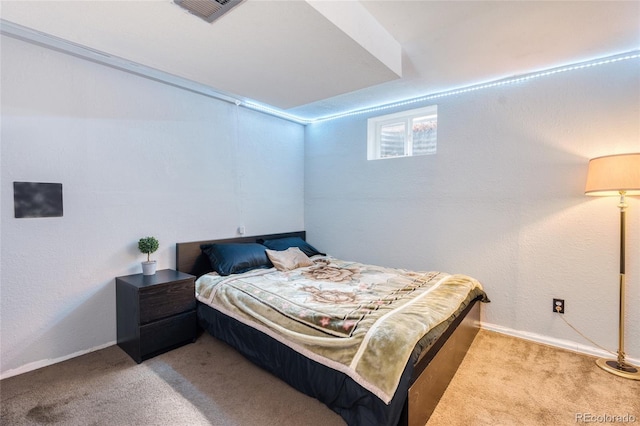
503 82
36 37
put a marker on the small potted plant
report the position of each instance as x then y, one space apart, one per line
148 245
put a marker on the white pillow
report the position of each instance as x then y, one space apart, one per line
288 259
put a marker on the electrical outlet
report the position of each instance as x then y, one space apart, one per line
558 306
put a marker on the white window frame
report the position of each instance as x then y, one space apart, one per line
375 125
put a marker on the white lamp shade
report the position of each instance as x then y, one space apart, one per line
614 173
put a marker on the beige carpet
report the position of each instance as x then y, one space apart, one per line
502 381
509 381
204 383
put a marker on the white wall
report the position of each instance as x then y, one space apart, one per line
502 201
135 158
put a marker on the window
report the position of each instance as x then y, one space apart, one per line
404 134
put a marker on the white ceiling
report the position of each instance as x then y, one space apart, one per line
317 58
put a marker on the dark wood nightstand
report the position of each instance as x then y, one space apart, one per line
156 313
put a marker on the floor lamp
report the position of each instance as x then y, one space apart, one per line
617 175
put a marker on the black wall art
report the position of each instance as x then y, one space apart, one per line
35 199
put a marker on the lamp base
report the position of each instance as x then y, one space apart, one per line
627 371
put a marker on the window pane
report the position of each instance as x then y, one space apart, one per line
392 138
424 135
403 134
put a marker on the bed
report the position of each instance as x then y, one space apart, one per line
329 327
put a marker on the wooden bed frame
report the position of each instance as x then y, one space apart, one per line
433 371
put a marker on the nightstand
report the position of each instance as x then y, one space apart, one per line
156 313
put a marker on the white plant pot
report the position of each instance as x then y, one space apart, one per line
149 268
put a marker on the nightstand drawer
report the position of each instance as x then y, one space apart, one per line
161 301
166 334
155 313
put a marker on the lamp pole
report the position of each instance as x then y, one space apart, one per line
612 175
620 367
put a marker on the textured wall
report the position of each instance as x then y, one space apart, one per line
502 200
135 158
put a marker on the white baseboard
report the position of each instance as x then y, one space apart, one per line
552 341
46 362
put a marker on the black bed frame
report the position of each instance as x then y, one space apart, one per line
433 370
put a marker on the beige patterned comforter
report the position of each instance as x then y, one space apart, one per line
363 320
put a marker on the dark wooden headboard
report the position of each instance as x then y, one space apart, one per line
189 257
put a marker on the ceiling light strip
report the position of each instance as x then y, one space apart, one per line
510 80
29 35
275 112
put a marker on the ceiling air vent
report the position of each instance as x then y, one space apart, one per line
209 10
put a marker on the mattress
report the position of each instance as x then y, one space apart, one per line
343 332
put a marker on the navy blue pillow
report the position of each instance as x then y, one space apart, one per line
284 243
235 258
